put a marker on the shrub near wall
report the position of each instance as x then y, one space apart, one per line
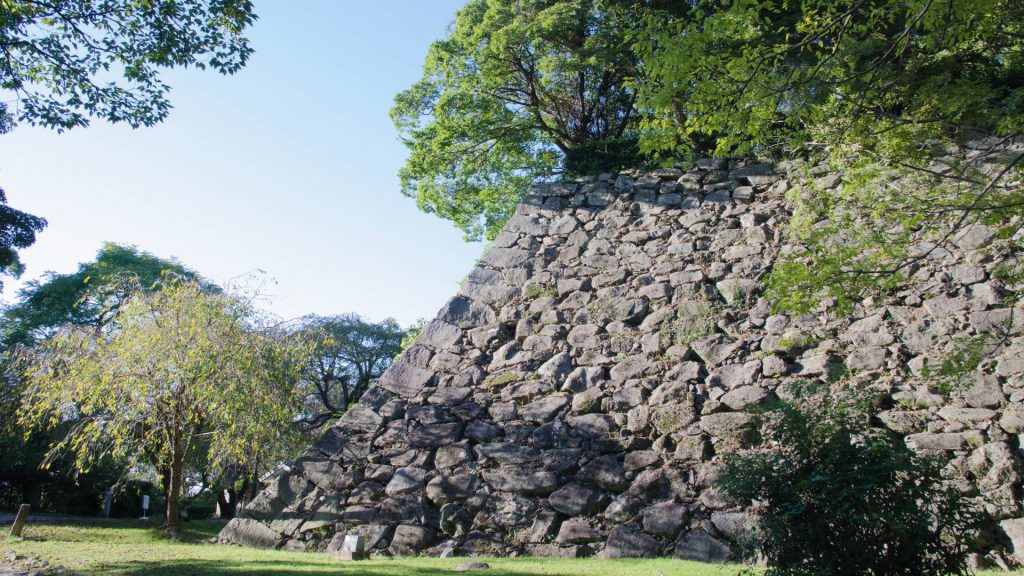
835 496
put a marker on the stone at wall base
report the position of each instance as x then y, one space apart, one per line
1012 532
350 555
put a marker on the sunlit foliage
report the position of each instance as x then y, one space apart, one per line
176 370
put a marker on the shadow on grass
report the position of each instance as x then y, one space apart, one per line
113 530
201 530
290 568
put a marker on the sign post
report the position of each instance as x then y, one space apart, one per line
108 500
19 520
145 507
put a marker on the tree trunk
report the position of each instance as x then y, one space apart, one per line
227 502
243 492
254 484
173 521
32 493
165 479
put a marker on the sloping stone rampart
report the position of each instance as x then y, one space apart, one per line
574 397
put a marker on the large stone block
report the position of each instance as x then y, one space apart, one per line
466 313
545 409
483 431
406 480
701 546
576 499
434 435
505 257
405 380
944 441
665 519
577 531
554 551
249 532
1012 532
731 426
592 425
606 472
362 419
281 491
745 397
445 489
409 539
625 542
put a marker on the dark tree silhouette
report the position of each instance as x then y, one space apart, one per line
351 354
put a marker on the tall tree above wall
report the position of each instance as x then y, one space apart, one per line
518 91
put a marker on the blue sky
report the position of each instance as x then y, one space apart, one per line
288 167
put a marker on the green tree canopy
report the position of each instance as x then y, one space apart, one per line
767 77
177 370
519 90
17 230
916 103
349 355
86 297
65 61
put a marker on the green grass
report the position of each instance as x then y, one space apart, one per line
139 548
116 548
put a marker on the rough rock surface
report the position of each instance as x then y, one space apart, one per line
574 397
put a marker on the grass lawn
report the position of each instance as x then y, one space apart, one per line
92 547
138 548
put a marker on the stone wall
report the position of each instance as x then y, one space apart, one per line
574 397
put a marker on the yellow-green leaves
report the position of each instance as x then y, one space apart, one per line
176 364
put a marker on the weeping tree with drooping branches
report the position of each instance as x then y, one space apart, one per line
177 371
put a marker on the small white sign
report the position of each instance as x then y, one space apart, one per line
353 543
